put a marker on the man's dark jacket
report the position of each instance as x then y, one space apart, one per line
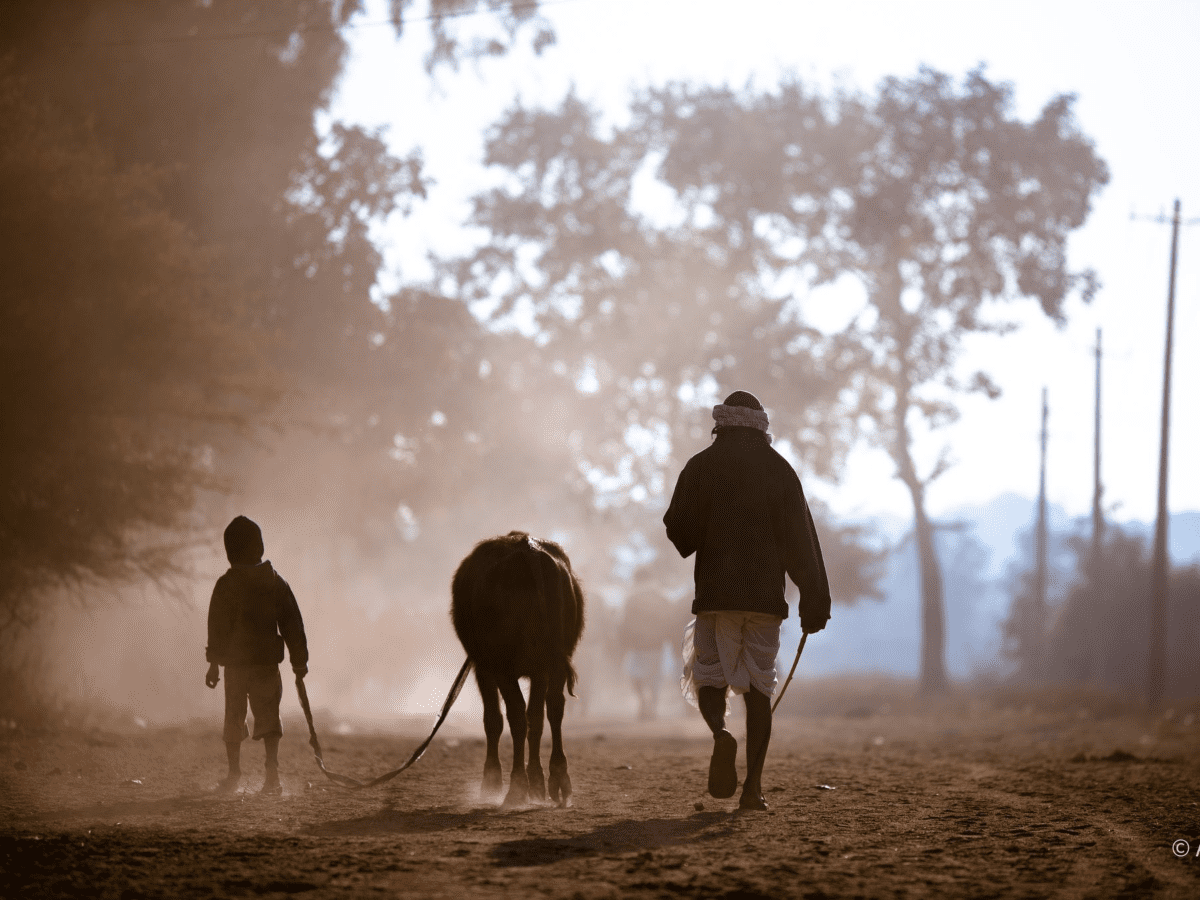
740 508
252 614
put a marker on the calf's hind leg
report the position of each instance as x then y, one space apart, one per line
535 719
493 727
560 779
514 710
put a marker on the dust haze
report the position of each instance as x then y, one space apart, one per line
208 309
212 336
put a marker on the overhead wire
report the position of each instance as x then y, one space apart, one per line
299 28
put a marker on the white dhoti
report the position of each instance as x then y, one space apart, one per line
730 649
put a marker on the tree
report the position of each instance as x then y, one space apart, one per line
1037 592
1098 635
639 325
513 17
119 351
188 252
934 198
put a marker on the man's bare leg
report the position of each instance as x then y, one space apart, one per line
758 736
722 770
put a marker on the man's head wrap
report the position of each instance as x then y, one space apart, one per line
741 409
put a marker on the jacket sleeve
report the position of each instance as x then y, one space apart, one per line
687 516
803 560
219 625
291 625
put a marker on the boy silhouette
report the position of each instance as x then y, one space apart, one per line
251 616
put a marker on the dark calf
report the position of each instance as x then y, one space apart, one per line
518 610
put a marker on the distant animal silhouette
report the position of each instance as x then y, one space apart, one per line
517 608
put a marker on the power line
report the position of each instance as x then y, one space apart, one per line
301 28
1161 219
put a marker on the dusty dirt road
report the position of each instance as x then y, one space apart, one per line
977 798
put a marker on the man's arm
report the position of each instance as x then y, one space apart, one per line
804 562
687 516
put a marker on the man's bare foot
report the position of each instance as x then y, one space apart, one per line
271 787
229 783
753 802
722 769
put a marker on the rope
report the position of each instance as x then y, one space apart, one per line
353 783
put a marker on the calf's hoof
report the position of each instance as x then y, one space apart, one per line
493 781
537 783
560 783
518 792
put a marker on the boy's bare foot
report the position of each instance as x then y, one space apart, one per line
272 787
229 783
722 771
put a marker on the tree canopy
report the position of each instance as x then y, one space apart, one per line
191 273
930 195
194 298
119 350
936 199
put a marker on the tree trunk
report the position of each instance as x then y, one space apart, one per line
933 680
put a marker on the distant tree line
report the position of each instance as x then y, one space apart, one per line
1097 630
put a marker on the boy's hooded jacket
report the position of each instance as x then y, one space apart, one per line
253 613
739 506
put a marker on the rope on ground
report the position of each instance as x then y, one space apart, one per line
353 783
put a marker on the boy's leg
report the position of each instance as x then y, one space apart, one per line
233 752
271 782
758 736
234 731
266 692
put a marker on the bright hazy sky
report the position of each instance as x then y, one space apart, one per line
1134 68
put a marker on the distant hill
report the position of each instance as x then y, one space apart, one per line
998 522
976 557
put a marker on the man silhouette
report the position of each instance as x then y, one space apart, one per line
739 506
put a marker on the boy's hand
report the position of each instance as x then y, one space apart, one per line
300 670
213 676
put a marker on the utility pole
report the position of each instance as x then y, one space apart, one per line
1040 548
1097 487
1156 675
